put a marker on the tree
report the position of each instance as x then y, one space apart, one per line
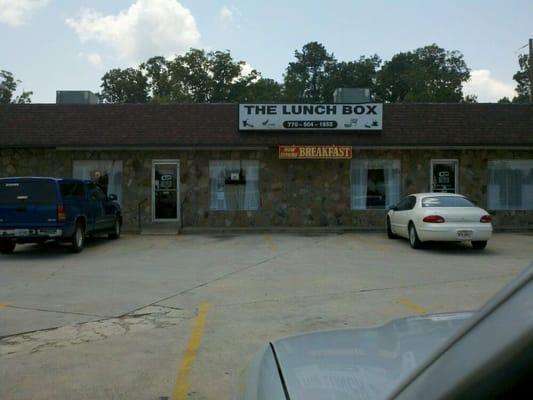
157 72
260 90
304 77
504 100
8 88
196 76
469 98
523 85
359 73
427 74
226 76
124 86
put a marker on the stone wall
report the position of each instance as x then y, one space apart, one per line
295 193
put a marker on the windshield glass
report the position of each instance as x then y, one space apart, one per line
447 201
28 192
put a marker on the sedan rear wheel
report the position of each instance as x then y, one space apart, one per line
414 241
479 244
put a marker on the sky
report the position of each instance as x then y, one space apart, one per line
69 44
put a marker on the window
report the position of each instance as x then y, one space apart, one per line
510 185
234 185
446 201
72 190
96 192
375 183
407 203
29 192
106 173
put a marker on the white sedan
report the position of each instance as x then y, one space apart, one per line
449 217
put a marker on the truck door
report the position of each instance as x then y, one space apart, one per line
95 212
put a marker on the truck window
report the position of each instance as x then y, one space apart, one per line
35 192
72 190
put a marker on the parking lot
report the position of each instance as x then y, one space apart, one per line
148 317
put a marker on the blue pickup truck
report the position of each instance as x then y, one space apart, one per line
36 210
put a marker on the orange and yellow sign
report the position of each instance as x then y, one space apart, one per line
314 152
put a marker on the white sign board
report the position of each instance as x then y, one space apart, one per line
333 117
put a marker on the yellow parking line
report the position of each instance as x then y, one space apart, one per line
413 306
182 380
3 306
371 243
271 245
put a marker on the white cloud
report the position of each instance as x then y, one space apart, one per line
94 59
226 15
15 12
147 28
486 88
246 69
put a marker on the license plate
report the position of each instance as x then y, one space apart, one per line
22 232
464 235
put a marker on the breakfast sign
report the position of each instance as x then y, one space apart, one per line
306 117
314 152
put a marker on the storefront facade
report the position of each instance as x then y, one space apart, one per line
192 166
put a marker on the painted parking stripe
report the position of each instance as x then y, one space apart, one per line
182 380
413 306
271 245
3 306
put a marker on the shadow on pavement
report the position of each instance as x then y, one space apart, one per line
51 250
463 249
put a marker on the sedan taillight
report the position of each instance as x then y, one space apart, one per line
433 219
61 214
486 219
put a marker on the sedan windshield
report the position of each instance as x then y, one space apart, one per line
447 201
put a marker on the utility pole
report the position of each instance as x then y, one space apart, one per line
531 70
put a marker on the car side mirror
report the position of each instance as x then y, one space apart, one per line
393 208
112 197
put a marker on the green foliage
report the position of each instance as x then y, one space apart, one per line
359 73
504 100
523 85
305 78
124 86
469 98
261 90
195 77
427 74
8 88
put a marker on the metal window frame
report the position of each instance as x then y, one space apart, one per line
444 161
176 162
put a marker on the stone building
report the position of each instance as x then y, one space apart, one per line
193 166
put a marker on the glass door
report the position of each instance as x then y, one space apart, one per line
165 190
444 176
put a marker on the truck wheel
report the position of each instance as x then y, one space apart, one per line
78 238
7 246
116 229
